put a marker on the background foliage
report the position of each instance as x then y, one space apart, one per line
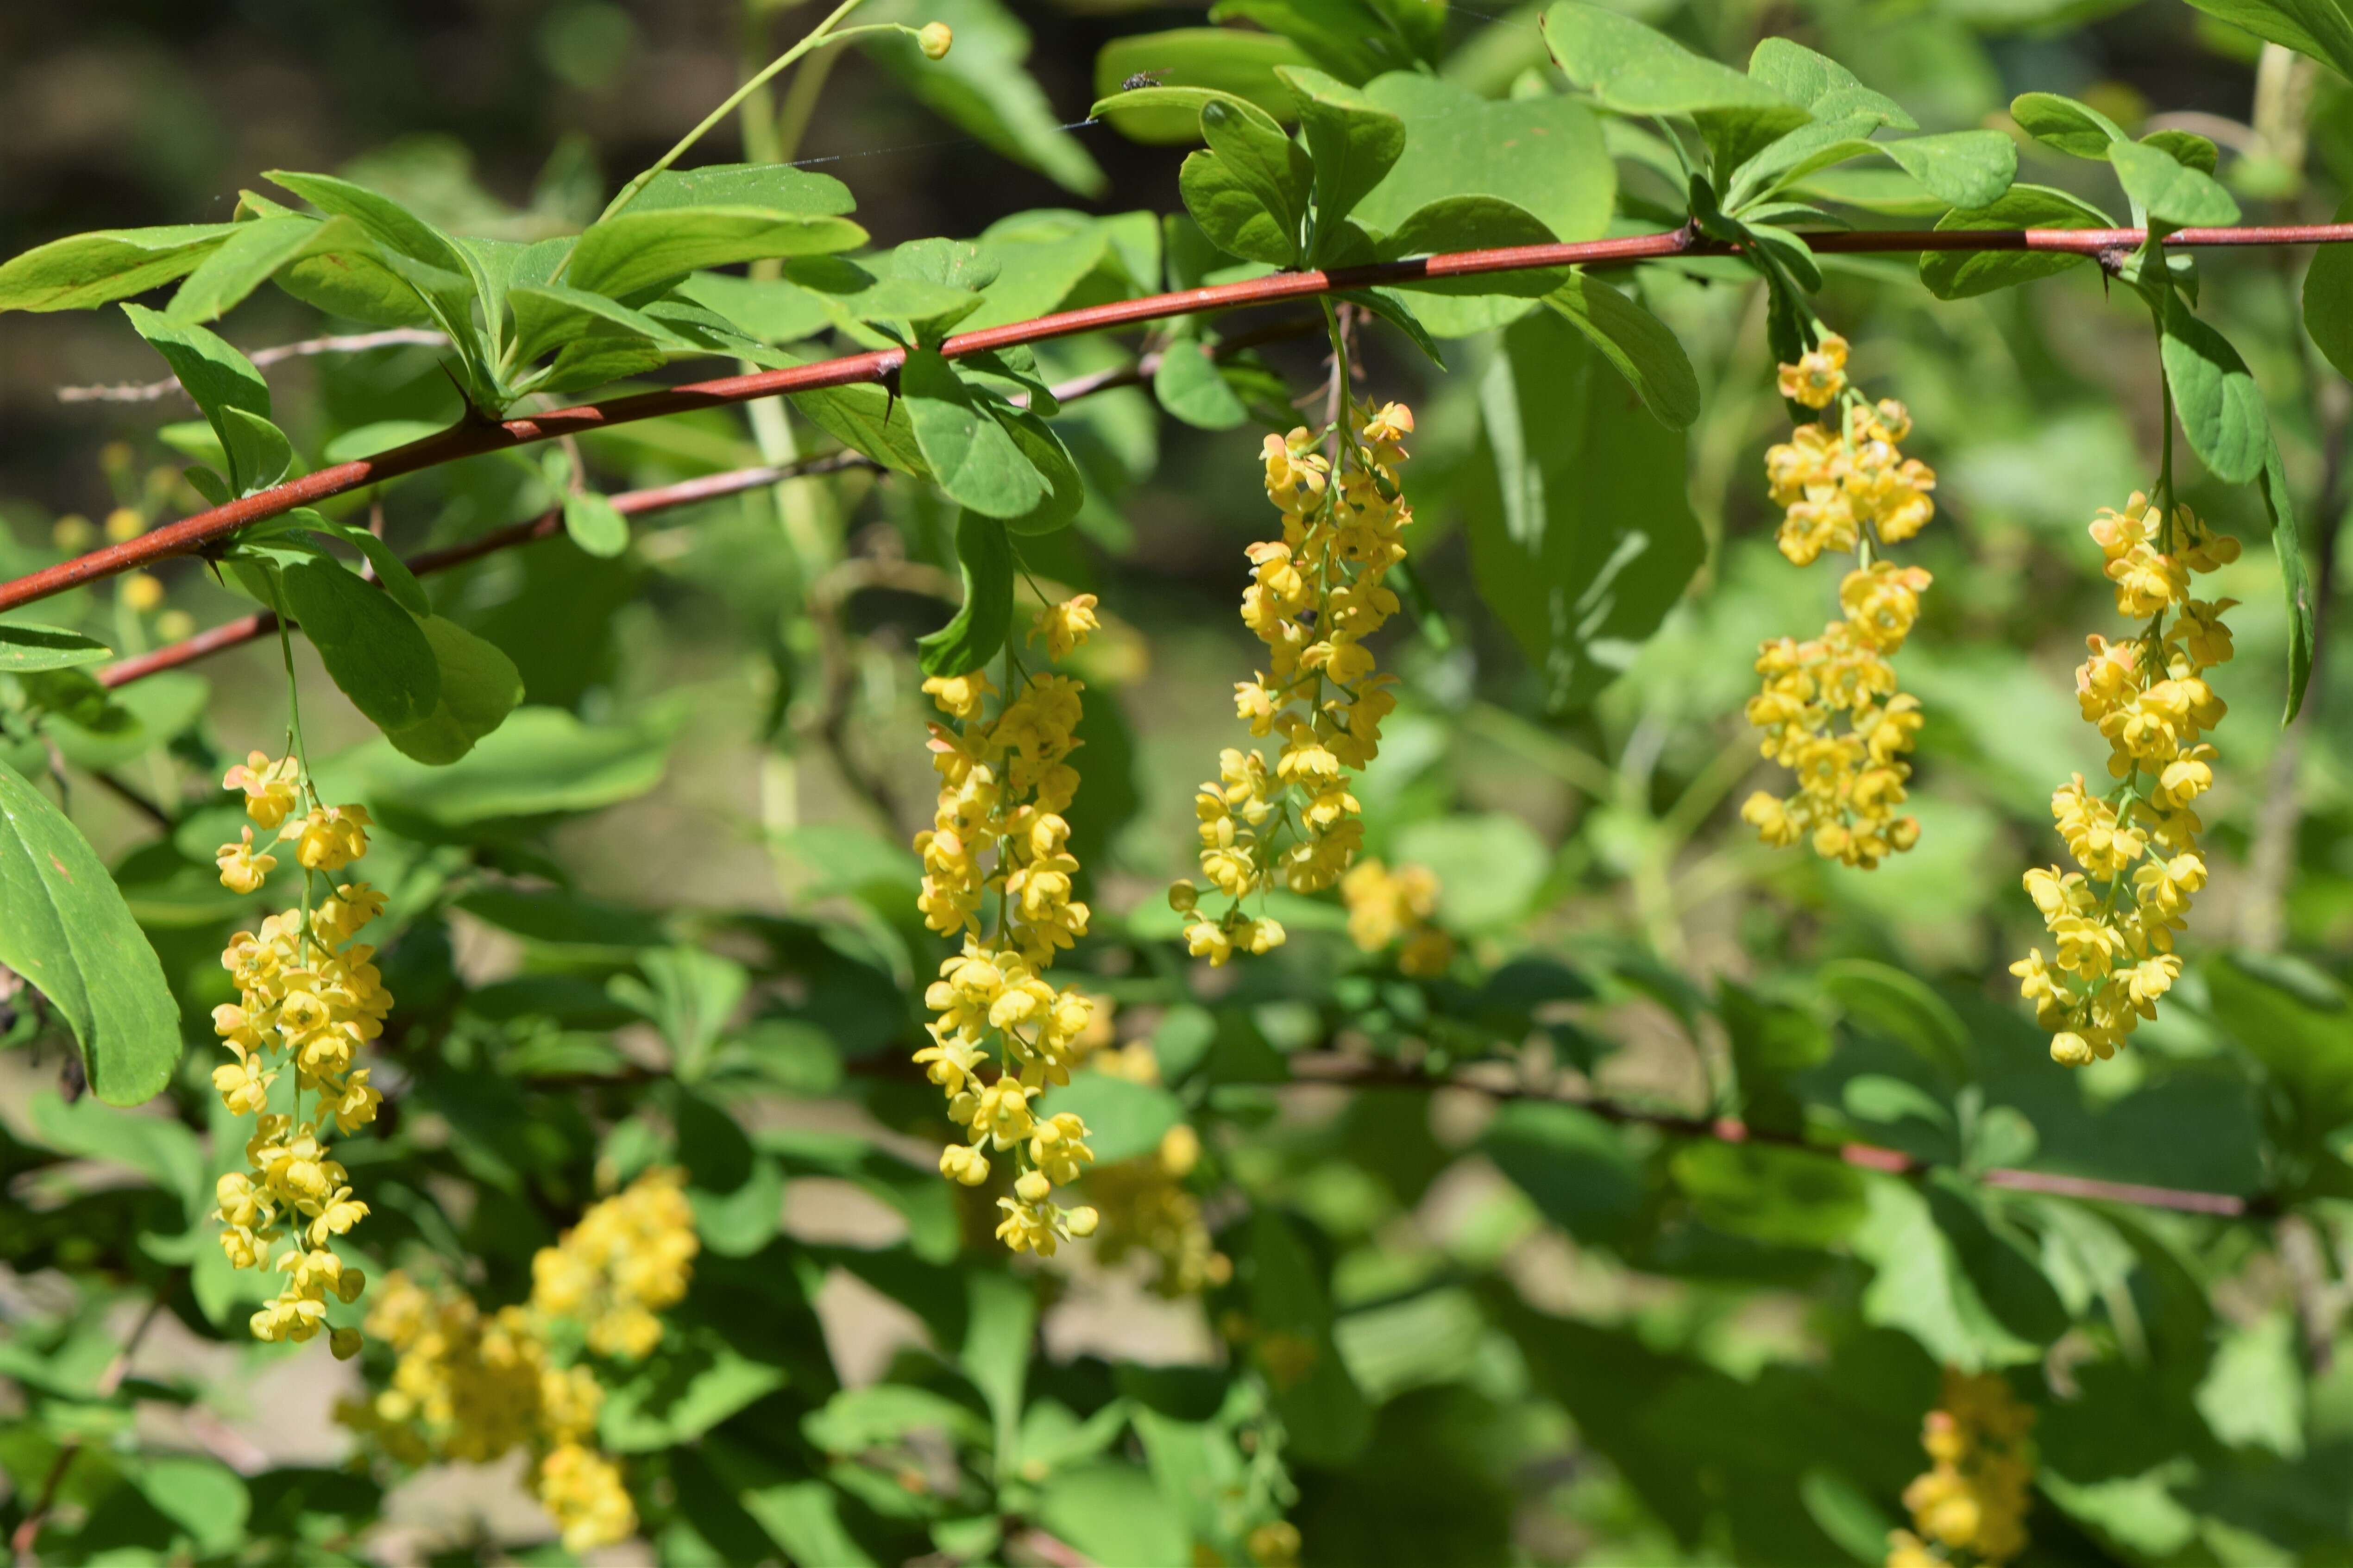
663 912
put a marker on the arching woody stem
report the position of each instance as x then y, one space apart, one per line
476 437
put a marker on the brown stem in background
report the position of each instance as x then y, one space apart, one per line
479 436
28 1530
345 344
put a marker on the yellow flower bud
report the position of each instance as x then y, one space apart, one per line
935 40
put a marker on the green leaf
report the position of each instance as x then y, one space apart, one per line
1355 40
1189 385
690 995
773 188
2319 28
1184 62
550 315
2171 192
1922 1286
2298 1036
1640 346
480 687
386 221
1958 275
1000 1329
65 927
374 649
1489 867
1971 169
689 1385
1771 1043
858 1419
1635 70
28 646
541 762
1066 489
259 453
633 251
1791 157
1783 1198
984 88
219 379
2072 128
1825 89
869 420
1270 164
158 1148
1324 1413
1544 155
971 456
1124 1118
1112 1513
1899 1007
390 569
84 270
971 639
595 524
2214 396
1575 1166
1582 535
2296 582
2186 147
1353 142
1233 219
202 1496
249 257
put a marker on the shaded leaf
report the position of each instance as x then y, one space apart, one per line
984 557
63 928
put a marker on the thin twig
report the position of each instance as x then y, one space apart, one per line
132 798
342 343
1359 1071
28 1529
476 437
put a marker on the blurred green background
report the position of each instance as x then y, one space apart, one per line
1606 833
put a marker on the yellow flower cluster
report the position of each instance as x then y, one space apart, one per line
1315 594
1385 905
1843 485
997 870
626 1260
470 1387
1974 1497
1148 1210
309 997
2148 696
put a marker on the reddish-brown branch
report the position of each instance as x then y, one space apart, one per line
476 438
661 498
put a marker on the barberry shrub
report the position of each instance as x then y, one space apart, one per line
779 980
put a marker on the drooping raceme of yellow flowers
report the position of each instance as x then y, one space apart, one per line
626 1260
1148 1211
1315 594
1386 905
470 1387
1828 706
2137 842
997 871
309 997
1973 1498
